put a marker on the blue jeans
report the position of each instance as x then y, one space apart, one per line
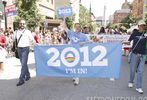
137 65
23 53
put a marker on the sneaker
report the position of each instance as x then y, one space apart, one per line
130 85
139 90
112 79
76 81
73 79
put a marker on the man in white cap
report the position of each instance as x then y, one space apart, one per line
138 56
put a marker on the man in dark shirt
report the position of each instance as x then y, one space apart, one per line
138 56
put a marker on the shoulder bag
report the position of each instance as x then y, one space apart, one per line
15 45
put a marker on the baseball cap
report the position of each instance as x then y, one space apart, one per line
141 22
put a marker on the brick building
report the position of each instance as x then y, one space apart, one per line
119 15
137 9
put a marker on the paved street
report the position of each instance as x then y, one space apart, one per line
47 88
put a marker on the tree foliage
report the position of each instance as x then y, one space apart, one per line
69 22
146 22
85 18
128 20
27 9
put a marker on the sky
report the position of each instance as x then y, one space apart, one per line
97 6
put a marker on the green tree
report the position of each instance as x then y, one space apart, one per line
128 20
69 22
85 17
146 21
27 9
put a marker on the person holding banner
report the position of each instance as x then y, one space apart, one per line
25 38
138 56
76 37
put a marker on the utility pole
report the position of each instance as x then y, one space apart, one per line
5 15
90 12
104 16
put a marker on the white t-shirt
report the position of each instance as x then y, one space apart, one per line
26 39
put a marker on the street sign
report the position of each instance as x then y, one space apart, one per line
10 10
64 12
11 14
1 6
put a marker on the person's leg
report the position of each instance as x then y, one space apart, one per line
23 55
21 77
1 66
27 74
140 75
133 65
20 51
24 60
2 59
140 72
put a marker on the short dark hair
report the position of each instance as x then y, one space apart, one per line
84 27
77 24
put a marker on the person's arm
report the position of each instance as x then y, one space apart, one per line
86 41
68 33
14 36
64 26
126 42
31 37
129 40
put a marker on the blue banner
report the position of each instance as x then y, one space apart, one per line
63 12
91 60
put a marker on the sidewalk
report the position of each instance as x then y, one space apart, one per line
12 67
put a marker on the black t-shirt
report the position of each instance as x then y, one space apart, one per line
134 34
139 42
